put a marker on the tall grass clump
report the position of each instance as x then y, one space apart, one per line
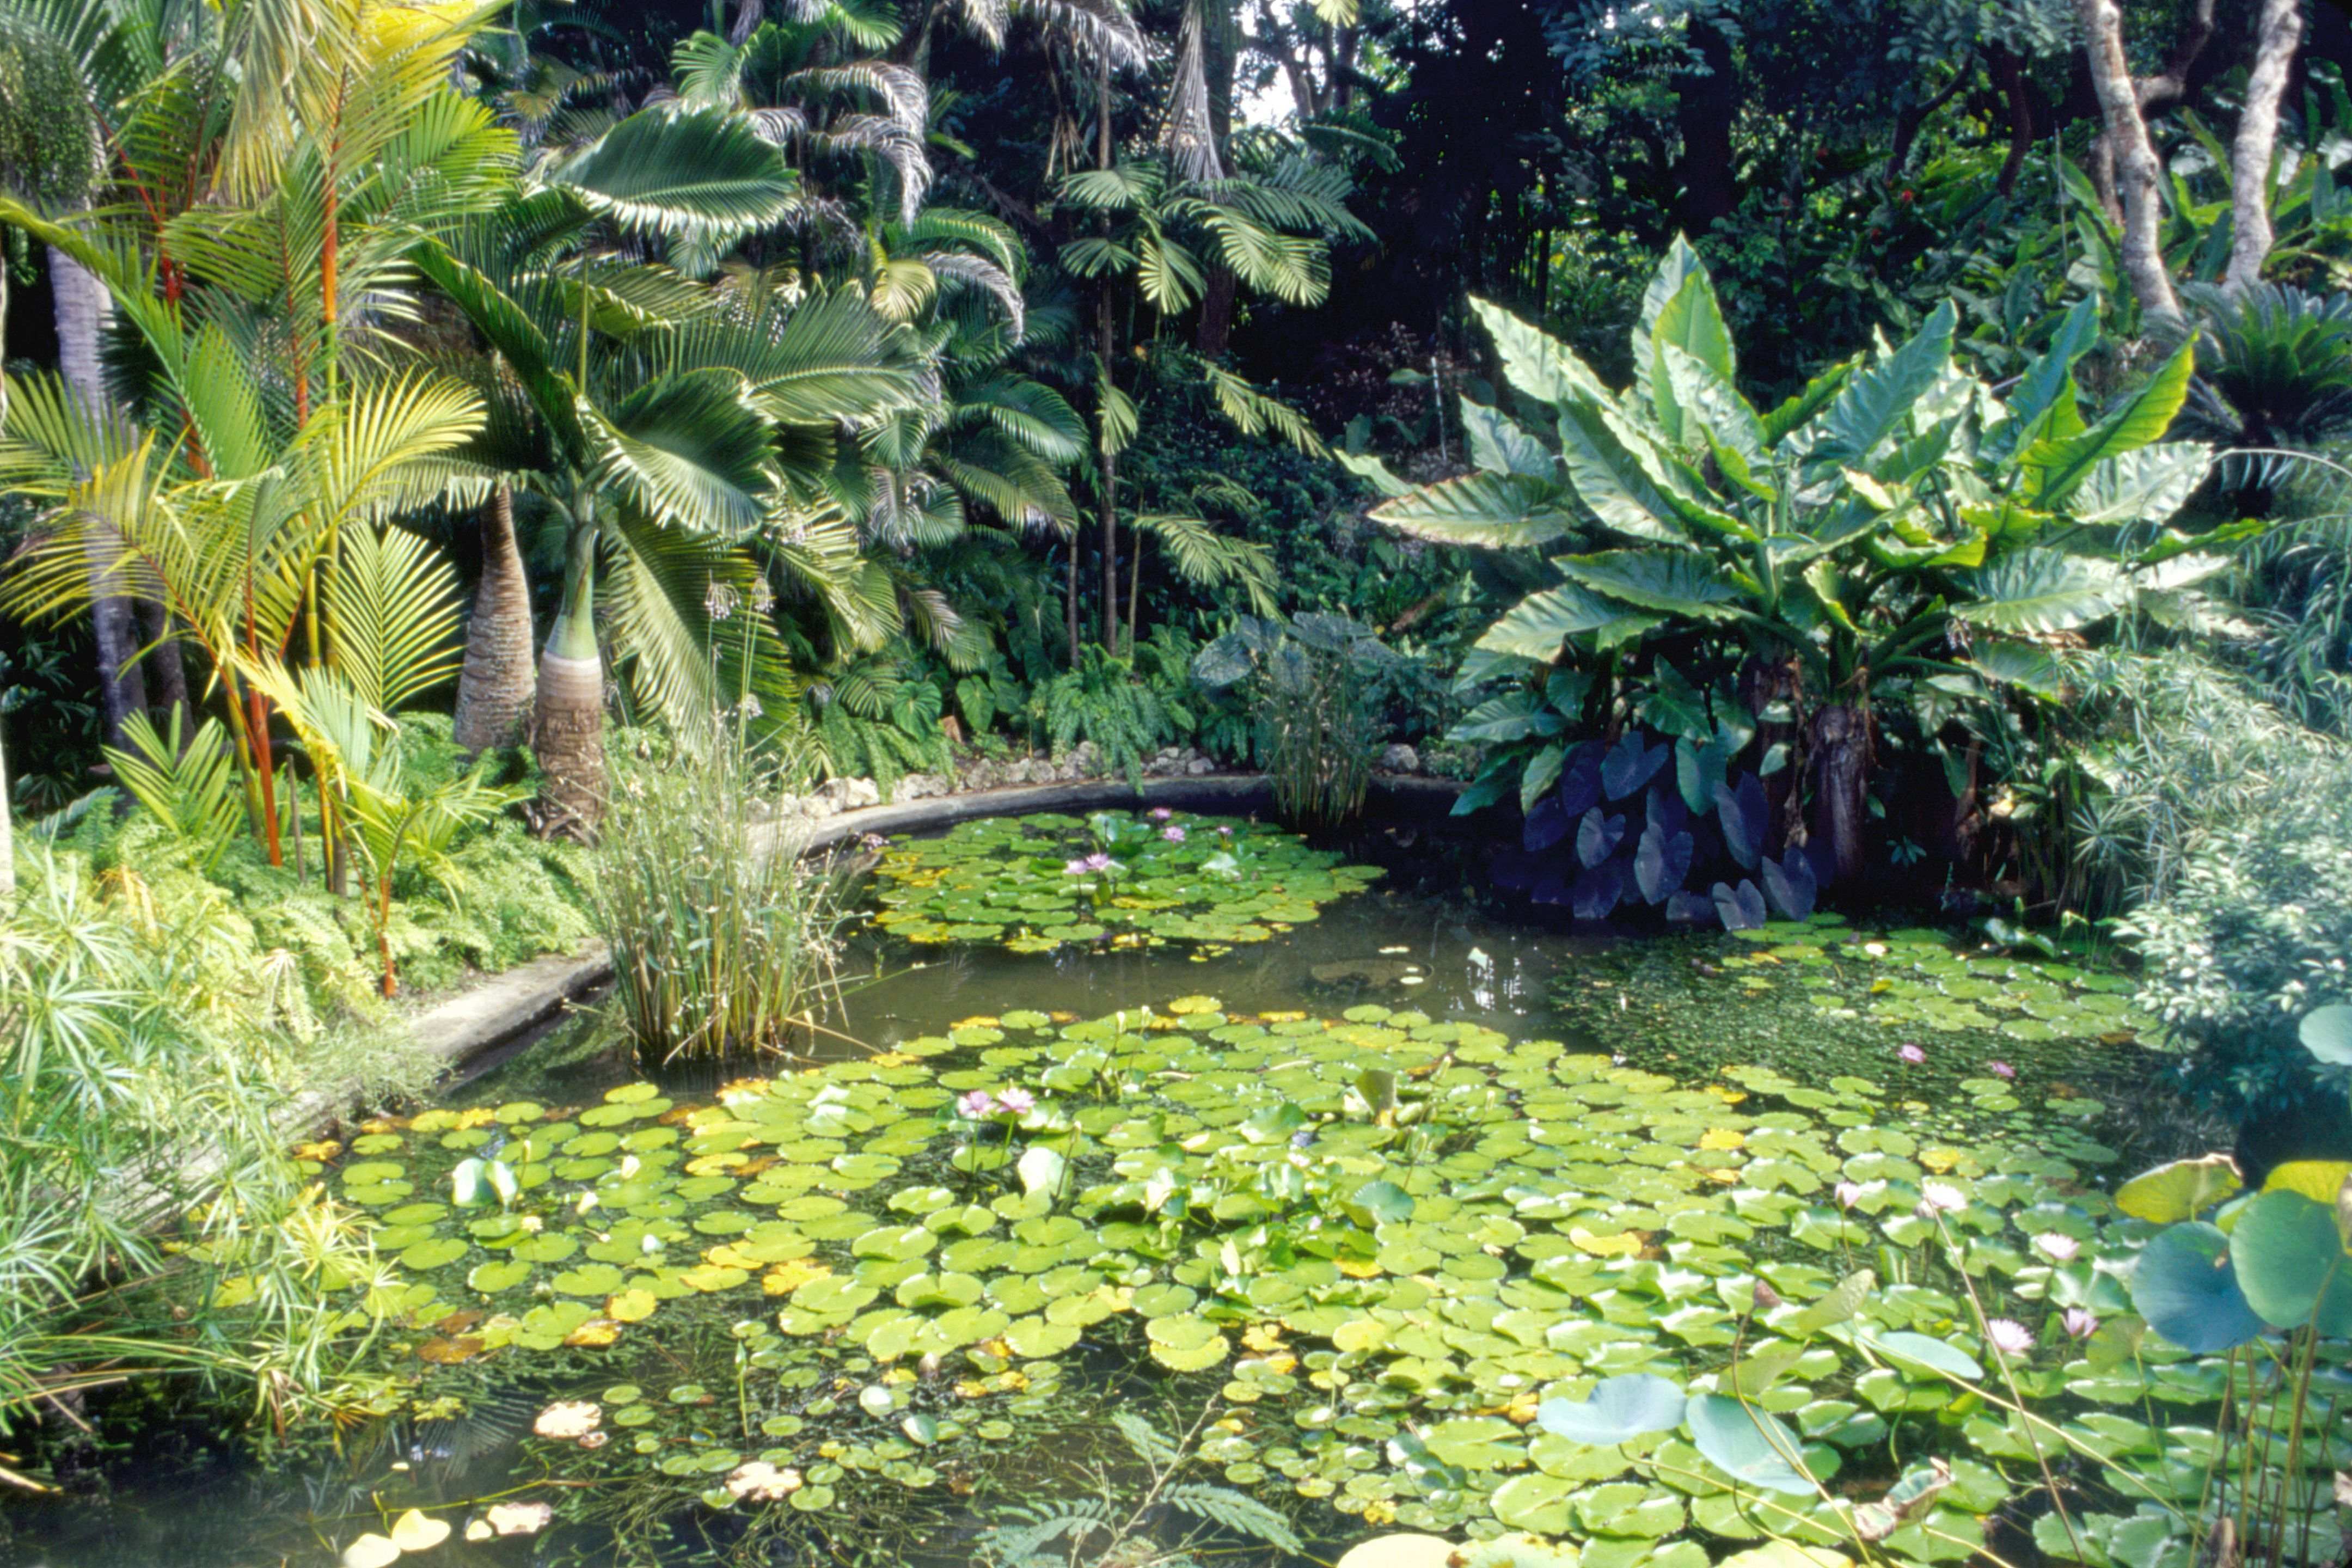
723 938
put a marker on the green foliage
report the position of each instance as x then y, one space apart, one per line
1887 542
723 937
1128 707
1312 686
152 1051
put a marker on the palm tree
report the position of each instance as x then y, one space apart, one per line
686 429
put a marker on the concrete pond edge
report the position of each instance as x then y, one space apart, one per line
464 1027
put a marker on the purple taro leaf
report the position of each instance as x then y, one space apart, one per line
1546 825
1661 862
1666 808
1791 885
1690 909
1598 891
1580 779
1597 837
1630 765
1741 810
1741 909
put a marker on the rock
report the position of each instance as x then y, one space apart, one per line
855 793
1401 759
1199 765
1364 972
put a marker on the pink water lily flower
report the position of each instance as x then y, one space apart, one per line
1912 1054
1160 814
2056 1247
2001 1071
1019 1101
977 1104
1074 867
1943 1198
2080 1323
1848 1194
2009 1336
1174 834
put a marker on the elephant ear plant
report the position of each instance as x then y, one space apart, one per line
1896 538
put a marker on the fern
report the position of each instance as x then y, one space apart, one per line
1233 1510
1105 700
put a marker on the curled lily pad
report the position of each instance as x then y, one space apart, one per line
1617 1408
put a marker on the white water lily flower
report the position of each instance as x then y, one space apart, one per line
760 1481
519 1518
1944 1196
568 1420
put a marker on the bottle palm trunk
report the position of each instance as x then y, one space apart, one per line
497 685
568 726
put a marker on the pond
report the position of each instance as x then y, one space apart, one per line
1277 1224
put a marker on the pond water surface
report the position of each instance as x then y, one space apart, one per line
1329 1211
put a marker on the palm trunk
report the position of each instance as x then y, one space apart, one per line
169 690
568 730
2256 144
497 685
81 307
1108 451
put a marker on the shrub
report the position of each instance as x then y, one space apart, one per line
151 1052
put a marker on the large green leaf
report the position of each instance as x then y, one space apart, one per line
1678 583
2056 465
692 451
1874 403
704 179
2046 380
2292 1265
1632 1404
1499 446
2186 1285
1693 323
1798 410
1540 366
1676 267
2146 486
1749 1445
1609 478
2040 590
1712 410
1536 626
1503 510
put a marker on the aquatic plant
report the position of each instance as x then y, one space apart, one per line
1387 1243
722 936
1034 883
1314 727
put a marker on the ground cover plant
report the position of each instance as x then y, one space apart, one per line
1431 1278
1123 878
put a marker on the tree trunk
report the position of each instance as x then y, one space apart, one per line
1107 452
495 686
169 690
1704 102
1215 330
2009 75
568 730
81 307
1839 752
2135 158
2251 154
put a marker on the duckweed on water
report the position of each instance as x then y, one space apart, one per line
1379 1242
1034 883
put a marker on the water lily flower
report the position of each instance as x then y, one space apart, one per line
760 1481
1300 1139
1160 814
1074 867
2001 1071
511 1519
873 841
1097 862
568 1420
2056 1247
2009 1336
1019 1101
1224 833
1942 1197
978 1104
1174 834
1848 1194
1912 1054
2080 1323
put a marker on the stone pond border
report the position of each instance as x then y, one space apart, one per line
461 1028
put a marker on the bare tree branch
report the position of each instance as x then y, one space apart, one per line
2135 157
